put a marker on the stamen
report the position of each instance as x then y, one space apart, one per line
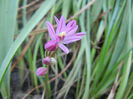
62 35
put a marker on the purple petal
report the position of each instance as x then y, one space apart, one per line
68 29
71 23
64 48
51 31
51 45
77 34
61 25
80 34
70 26
71 39
72 31
56 19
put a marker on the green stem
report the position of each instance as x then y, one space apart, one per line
48 89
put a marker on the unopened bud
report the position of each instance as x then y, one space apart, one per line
53 60
51 45
41 71
49 61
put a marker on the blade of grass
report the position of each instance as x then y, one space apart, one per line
129 86
120 42
117 51
83 81
127 65
58 6
21 63
130 82
104 51
24 33
95 10
34 60
88 56
24 19
66 8
8 13
112 74
78 86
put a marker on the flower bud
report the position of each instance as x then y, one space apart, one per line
47 61
51 45
41 71
53 60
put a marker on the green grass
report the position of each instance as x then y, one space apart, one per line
108 42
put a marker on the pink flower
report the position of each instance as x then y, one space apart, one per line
65 34
47 60
41 71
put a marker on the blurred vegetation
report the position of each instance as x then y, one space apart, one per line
99 66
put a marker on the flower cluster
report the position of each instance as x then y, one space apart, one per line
64 34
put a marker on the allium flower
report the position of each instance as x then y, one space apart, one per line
65 34
41 71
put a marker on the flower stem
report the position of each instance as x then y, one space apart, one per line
48 89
